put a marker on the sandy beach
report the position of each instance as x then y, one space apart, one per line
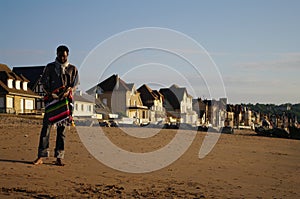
241 165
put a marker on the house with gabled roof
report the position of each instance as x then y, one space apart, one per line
179 104
201 109
33 74
15 95
153 99
83 105
216 112
122 98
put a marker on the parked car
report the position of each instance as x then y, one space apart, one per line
227 130
112 123
103 124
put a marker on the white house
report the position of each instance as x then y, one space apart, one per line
179 104
83 106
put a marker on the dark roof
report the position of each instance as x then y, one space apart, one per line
174 95
179 91
24 78
113 82
170 97
92 90
83 98
32 73
6 73
148 95
157 93
129 85
109 83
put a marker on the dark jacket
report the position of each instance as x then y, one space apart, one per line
53 78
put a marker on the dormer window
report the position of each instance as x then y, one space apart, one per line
18 84
10 83
25 86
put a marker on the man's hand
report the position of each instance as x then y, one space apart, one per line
66 94
54 96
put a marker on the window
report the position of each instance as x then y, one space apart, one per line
25 86
82 107
18 84
29 104
10 83
9 102
90 108
76 107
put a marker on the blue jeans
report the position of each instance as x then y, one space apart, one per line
43 149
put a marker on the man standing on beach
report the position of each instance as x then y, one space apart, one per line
56 75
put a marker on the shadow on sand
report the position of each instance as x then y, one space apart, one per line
22 162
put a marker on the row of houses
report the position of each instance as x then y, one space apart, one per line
22 93
172 104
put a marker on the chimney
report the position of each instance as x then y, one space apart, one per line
117 81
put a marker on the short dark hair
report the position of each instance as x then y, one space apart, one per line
62 48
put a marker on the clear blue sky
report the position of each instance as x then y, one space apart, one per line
255 43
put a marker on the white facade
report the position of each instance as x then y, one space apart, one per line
187 114
83 107
157 111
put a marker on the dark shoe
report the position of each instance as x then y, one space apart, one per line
59 162
38 161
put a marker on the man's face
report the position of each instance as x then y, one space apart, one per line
62 56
